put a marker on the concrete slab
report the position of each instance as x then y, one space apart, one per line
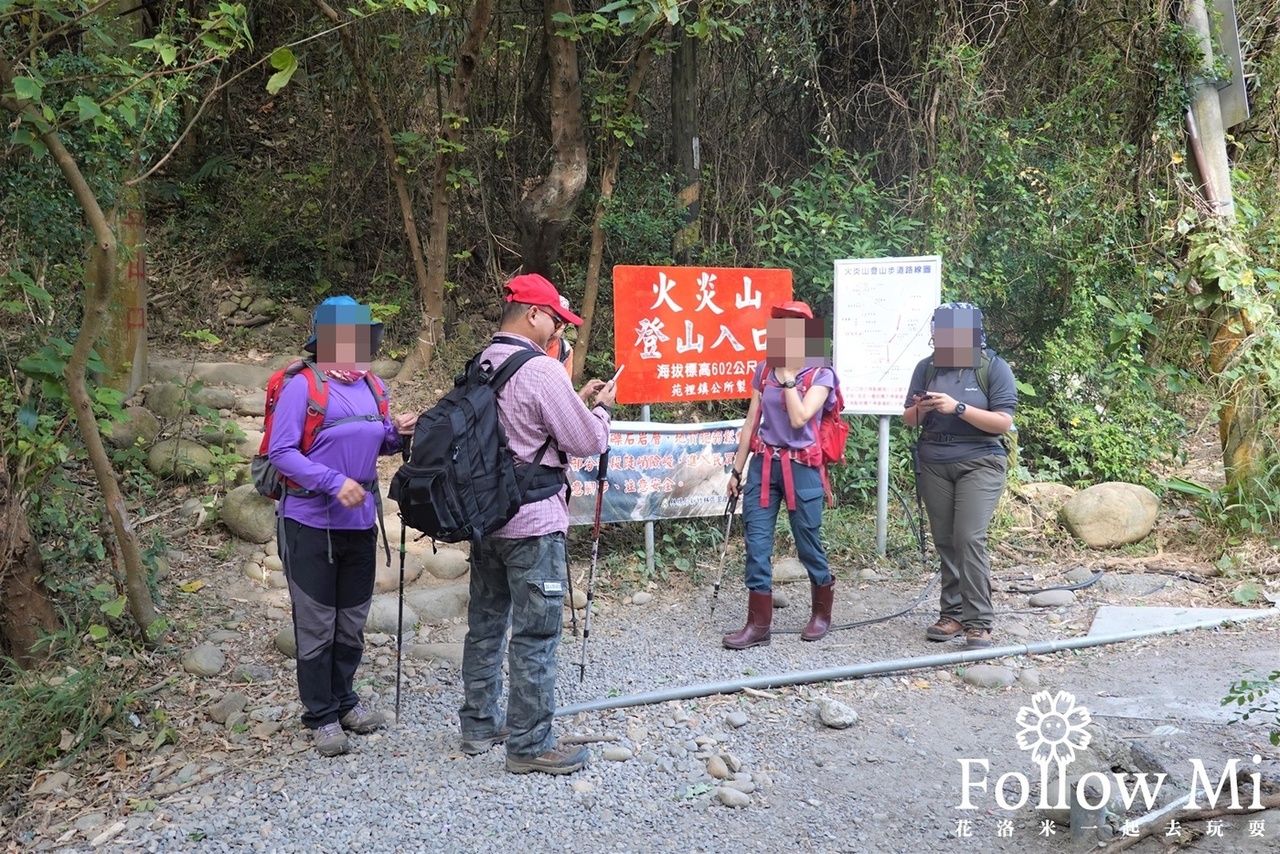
1116 619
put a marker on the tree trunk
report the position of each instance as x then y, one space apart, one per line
451 124
98 295
545 209
686 159
591 290
25 609
1243 407
352 50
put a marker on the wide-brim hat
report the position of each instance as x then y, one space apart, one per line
344 311
533 289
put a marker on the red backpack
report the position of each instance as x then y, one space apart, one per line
833 436
266 478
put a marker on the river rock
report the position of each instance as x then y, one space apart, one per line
383 612
252 673
180 458
215 397
1110 514
231 702
136 422
834 714
789 569
446 653
286 643
253 403
168 401
644 597
989 676
385 368
238 374
205 660
732 797
446 564
249 515
1051 598
436 605
387 578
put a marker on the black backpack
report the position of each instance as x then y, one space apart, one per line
461 481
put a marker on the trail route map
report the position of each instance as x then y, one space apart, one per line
881 328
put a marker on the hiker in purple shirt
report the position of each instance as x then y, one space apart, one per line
520 575
328 531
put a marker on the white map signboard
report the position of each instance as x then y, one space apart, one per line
881 329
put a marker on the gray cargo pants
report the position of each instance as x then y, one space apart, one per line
518 584
961 498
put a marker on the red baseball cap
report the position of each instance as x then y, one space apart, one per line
792 308
533 289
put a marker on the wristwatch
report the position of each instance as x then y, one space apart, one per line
960 409
789 384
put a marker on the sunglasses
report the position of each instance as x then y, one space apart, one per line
555 318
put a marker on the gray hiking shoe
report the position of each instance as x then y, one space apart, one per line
476 746
331 740
561 759
360 720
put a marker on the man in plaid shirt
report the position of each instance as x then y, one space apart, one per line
520 577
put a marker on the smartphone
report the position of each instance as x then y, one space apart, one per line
615 376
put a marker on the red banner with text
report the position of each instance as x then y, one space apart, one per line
691 333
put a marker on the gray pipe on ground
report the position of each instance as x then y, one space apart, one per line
879 668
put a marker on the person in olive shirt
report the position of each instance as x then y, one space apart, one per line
960 465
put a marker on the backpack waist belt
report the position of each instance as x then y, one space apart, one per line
948 438
810 456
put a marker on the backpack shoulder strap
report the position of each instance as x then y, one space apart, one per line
317 402
379 389
509 367
930 371
984 371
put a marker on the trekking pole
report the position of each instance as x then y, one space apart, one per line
730 507
601 474
920 519
406 442
573 609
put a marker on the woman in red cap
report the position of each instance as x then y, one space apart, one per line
788 394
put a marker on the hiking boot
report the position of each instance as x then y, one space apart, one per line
483 744
823 596
977 638
561 759
331 740
943 630
360 720
758 630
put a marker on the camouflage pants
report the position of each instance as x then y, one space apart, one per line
520 584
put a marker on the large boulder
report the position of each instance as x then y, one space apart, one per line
384 611
135 423
248 515
232 373
1110 514
388 577
180 458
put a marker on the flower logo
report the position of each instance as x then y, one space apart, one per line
1053 728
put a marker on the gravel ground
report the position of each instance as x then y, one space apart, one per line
890 782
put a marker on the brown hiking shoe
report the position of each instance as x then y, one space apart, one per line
360 720
476 746
331 740
977 638
561 759
943 630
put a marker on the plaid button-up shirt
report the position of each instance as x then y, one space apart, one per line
539 401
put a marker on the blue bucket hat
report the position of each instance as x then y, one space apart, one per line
344 311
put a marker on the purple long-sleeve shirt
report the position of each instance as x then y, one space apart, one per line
349 450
